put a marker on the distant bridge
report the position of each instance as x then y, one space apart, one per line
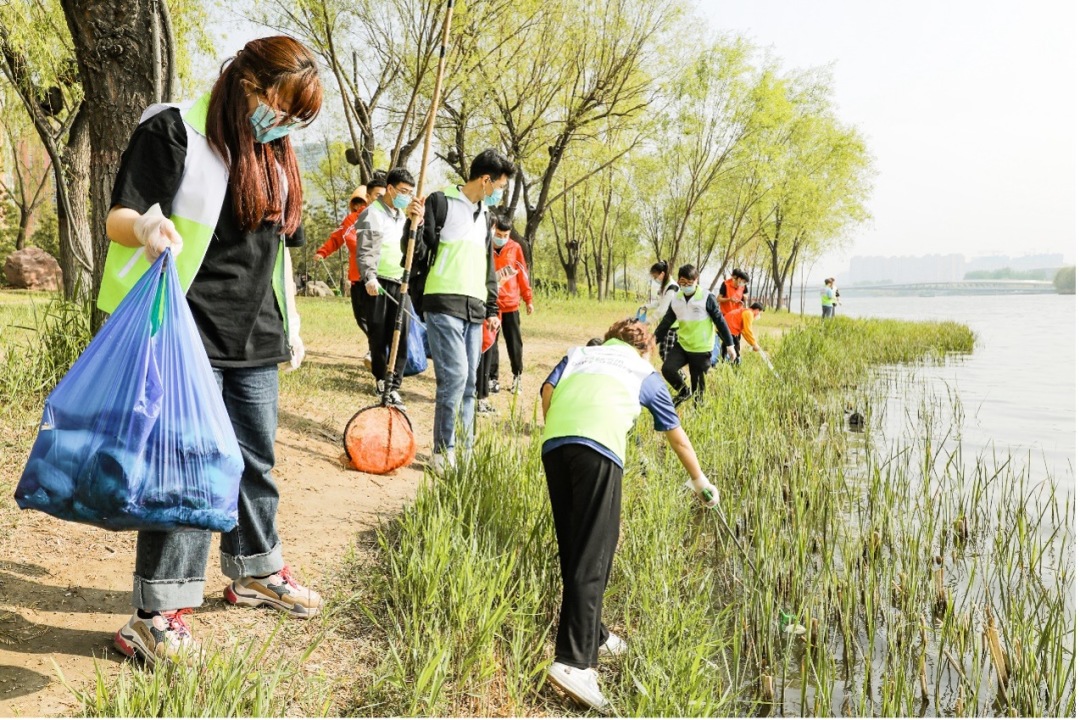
964 287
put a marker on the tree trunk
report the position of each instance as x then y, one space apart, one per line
72 175
117 69
24 222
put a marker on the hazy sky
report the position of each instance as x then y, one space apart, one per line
969 108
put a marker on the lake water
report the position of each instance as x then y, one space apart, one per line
1018 387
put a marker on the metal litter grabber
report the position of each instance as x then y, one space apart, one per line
379 439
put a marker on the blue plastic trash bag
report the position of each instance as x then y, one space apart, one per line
136 435
716 348
416 351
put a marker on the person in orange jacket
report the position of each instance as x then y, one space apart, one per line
733 291
346 235
514 288
741 323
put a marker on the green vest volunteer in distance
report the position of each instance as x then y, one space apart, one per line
700 319
591 400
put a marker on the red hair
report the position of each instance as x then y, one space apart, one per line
285 72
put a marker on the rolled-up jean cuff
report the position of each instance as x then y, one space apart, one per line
236 567
164 595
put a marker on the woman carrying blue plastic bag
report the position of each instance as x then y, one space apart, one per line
217 182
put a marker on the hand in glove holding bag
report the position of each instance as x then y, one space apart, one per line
155 232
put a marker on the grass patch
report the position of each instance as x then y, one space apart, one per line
861 544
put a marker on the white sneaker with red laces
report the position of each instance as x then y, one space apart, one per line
279 590
163 636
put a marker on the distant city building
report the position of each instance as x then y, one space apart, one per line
902 270
866 270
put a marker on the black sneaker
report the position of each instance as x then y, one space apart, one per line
493 385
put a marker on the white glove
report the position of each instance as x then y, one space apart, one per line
296 345
155 232
704 490
372 287
296 353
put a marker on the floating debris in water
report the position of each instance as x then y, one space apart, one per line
856 422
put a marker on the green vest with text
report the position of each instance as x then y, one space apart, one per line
826 298
598 395
695 326
461 263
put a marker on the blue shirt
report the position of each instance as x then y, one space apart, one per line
653 396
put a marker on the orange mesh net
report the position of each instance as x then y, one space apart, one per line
379 440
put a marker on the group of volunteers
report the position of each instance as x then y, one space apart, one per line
226 162
696 329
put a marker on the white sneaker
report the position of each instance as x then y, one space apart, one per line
396 401
443 462
515 386
485 408
579 685
613 647
379 387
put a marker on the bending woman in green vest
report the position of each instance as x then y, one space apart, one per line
219 179
590 401
697 312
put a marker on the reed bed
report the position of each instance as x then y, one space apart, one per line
928 583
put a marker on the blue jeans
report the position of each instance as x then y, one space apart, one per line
455 351
170 567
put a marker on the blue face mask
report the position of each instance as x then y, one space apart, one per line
401 201
689 290
499 241
494 198
262 125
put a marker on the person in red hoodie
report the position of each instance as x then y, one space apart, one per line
513 289
346 235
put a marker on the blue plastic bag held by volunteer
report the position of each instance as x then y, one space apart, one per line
416 351
136 435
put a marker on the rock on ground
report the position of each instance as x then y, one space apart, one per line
33 269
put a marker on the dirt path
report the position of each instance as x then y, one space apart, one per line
65 588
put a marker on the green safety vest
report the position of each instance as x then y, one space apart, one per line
461 264
695 326
826 299
598 395
196 208
390 229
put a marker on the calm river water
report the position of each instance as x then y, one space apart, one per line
1018 388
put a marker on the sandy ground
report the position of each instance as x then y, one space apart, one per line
65 588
